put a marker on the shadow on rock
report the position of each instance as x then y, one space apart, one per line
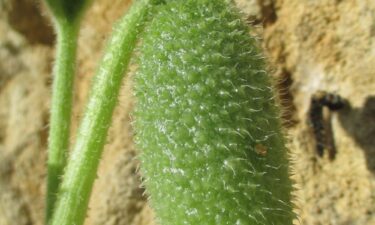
360 124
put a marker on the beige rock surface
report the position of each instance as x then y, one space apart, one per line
312 45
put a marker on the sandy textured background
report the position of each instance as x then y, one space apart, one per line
312 45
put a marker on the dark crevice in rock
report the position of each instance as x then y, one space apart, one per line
25 17
268 14
360 124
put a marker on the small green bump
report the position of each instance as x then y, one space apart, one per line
67 11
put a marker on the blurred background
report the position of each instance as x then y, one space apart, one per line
312 46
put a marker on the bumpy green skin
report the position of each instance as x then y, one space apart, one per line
212 148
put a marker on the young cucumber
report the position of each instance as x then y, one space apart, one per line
213 152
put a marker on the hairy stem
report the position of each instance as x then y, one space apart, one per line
61 109
82 167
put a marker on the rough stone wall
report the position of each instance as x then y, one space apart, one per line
312 45
330 45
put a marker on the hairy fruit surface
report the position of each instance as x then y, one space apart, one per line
206 122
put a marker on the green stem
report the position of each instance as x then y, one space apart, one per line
82 167
64 70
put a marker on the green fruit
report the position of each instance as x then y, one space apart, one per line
213 152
